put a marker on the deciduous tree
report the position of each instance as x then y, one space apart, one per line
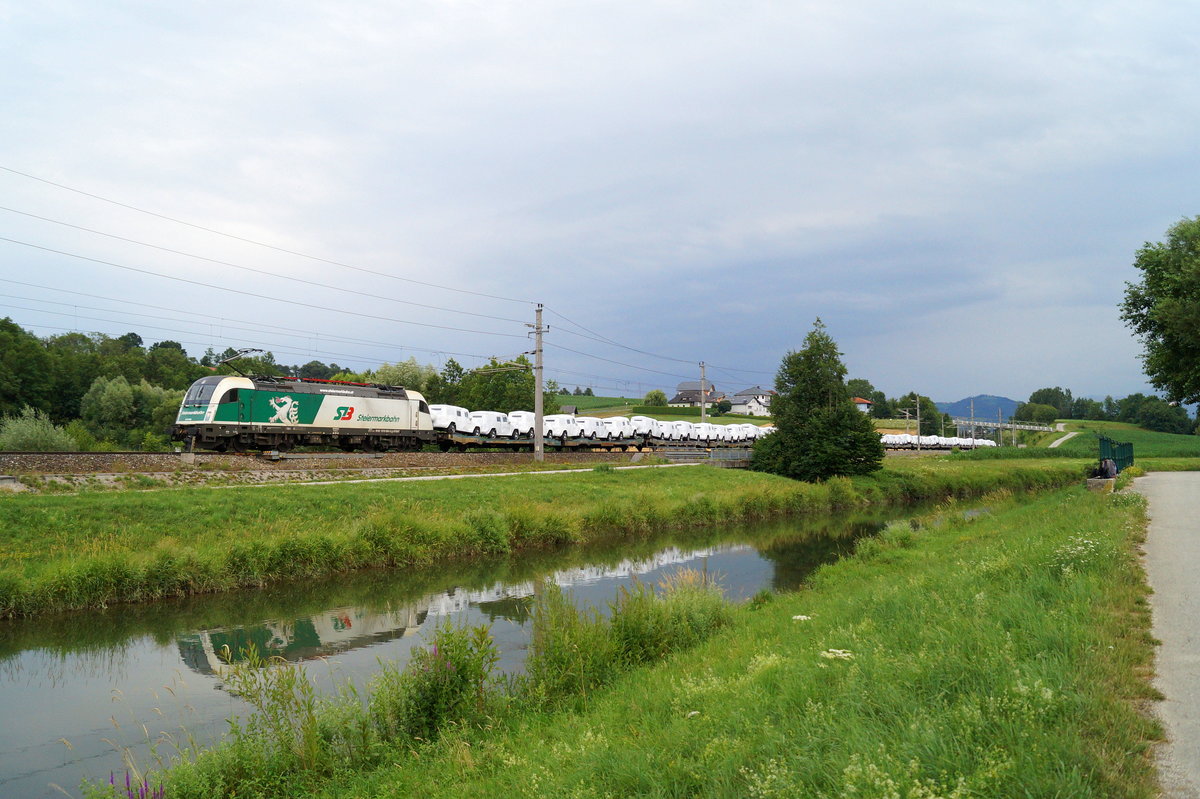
1163 310
655 398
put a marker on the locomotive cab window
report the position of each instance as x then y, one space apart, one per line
201 391
229 396
423 407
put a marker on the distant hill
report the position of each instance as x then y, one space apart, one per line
986 406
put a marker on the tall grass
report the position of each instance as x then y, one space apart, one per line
295 738
89 551
997 656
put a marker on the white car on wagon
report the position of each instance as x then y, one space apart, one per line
560 425
645 426
522 423
450 418
618 427
491 423
591 427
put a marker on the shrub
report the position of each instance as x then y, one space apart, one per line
570 652
446 683
32 431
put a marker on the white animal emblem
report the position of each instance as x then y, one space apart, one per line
286 410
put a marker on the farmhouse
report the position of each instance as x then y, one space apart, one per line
753 401
863 405
687 395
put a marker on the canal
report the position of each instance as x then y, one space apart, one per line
83 693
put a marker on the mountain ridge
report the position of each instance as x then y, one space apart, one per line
986 406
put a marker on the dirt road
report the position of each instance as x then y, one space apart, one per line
1172 563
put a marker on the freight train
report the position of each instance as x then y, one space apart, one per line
277 413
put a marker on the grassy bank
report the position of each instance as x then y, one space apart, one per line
994 655
90 550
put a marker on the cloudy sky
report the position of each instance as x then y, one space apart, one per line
956 188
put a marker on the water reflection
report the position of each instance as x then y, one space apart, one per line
95 678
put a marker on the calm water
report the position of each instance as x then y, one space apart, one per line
78 690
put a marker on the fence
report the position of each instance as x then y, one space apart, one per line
1120 452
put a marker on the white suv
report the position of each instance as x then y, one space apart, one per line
522 423
450 418
591 427
560 425
490 423
618 427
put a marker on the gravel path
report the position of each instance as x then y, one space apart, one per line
1067 437
1172 558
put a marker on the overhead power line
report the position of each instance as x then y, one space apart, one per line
606 340
256 243
224 323
618 363
255 294
256 271
273 346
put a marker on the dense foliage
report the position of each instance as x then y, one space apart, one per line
820 434
1153 413
655 398
1162 309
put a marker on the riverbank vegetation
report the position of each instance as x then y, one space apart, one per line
91 550
984 655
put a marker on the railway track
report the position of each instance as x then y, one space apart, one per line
82 464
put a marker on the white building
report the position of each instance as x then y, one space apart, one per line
753 401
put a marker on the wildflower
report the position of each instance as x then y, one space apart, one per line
838 654
801 617
693 714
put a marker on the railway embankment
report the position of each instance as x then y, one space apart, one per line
93 549
67 471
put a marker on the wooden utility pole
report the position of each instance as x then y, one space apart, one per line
703 396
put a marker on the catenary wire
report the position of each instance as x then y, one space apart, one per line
224 325
254 294
256 271
274 347
258 243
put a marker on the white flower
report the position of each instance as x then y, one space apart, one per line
801 617
693 714
838 654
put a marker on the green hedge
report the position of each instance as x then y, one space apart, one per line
650 410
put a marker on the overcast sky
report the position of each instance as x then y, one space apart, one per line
957 189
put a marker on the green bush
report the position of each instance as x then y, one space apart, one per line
32 431
446 683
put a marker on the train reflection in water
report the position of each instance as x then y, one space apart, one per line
345 628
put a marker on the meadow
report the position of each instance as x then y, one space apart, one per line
1146 443
972 655
90 550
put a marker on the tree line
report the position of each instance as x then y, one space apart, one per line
1148 411
93 391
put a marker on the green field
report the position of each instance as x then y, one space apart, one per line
587 404
1146 443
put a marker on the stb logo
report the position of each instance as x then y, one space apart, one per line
343 414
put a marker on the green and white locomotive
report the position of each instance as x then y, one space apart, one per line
238 413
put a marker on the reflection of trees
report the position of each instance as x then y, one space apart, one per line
797 558
515 609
